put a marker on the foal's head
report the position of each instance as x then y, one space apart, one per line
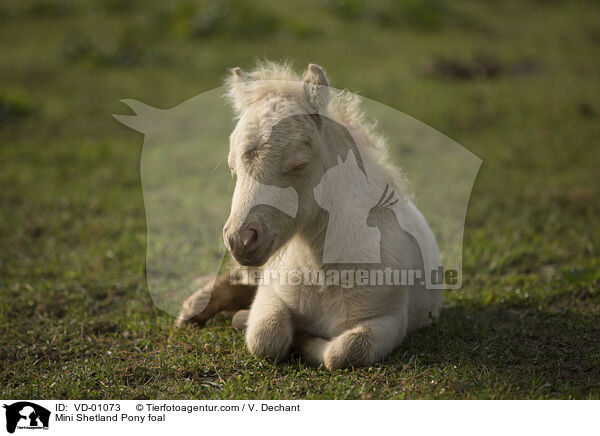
275 155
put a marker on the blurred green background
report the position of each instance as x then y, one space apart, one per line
515 82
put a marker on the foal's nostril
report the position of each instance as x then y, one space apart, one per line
251 237
248 237
248 244
245 243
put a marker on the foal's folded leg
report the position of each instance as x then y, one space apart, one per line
269 330
222 294
311 348
362 345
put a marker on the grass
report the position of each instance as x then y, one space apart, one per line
76 318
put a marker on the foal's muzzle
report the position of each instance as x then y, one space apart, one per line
250 244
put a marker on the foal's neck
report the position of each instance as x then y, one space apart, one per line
313 236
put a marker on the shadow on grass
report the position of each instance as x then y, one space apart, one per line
535 351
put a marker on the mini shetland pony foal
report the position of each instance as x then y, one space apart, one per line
291 132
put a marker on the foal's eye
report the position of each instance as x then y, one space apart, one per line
297 168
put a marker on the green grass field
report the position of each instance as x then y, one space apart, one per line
516 82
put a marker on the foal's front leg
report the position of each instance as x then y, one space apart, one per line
269 328
225 293
362 345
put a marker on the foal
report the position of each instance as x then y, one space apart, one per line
291 132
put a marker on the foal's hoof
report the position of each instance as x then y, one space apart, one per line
240 320
193 311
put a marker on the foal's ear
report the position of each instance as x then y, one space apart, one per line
235 84
316 87
238 75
